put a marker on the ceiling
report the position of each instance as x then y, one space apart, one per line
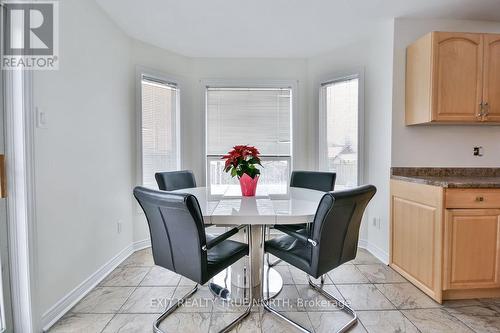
273 28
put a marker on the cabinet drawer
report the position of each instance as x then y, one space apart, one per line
472 198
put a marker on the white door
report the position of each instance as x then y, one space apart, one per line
5 304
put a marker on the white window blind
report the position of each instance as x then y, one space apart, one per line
160 104
340 135
261 117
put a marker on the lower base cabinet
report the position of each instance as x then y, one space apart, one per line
447 251
472 248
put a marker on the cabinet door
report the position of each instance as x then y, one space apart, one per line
416 235
457 76
491 90
471 248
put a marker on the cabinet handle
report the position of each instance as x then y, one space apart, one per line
486 108
479 198
481 108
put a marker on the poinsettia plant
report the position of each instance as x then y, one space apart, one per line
242 159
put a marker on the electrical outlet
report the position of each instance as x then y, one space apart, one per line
119 226
376 222
477 151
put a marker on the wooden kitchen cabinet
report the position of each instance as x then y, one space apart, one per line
491 91
472 248
453 78
415 242
446 241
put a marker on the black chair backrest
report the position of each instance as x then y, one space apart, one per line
336 227
177 231
314 180
175 180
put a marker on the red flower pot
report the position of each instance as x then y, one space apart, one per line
248 185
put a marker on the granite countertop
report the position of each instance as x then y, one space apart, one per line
450 177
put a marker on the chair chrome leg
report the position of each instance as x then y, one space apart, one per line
250 295
157 322
266 305
277 261
343 306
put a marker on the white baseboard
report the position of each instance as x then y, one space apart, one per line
50 317
375 250
142 244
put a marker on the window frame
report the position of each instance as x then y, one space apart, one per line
142 72
321 120
264 83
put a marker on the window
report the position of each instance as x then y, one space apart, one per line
159 128
339 130
261 117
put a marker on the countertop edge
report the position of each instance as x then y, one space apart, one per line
444 183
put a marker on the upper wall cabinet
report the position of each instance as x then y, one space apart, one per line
491 89
453 78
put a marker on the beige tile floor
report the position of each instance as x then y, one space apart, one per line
385 303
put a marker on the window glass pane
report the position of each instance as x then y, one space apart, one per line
159 137
342 130
273 179
263 116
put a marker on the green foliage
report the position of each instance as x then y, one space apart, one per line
244 166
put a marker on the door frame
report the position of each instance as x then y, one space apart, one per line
20 172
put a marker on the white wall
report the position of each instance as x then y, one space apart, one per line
84 164
373 54
441 145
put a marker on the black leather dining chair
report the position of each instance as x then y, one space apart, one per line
313 180
175 180
179 242
331 241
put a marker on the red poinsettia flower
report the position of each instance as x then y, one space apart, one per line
242 159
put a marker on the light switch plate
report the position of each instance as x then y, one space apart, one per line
41 118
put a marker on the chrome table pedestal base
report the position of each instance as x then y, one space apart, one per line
235 278
235 291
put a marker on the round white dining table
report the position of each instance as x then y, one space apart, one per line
226 207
